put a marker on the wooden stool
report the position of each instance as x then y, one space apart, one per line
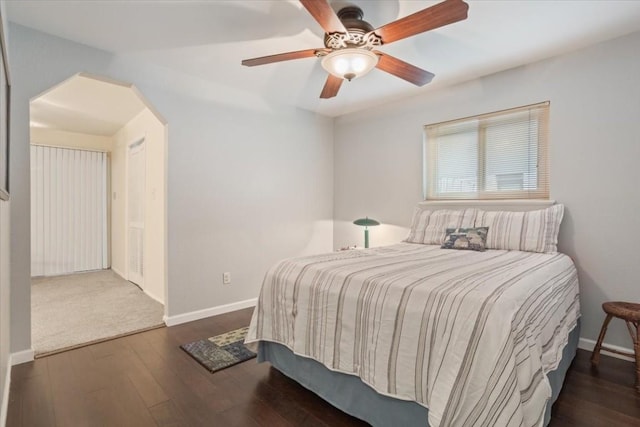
630 313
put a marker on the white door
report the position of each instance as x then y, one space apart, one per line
136 172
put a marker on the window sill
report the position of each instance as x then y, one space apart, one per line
489 205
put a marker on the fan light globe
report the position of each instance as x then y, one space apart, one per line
349 63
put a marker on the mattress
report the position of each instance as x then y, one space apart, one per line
469 335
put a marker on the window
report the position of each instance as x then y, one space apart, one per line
500 155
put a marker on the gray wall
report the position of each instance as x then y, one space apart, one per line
594 154
248 182
5 307
250 185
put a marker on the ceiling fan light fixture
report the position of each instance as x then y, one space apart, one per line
349 63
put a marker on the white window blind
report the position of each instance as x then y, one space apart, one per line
68 211
500 155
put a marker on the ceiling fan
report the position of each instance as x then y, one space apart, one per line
350 42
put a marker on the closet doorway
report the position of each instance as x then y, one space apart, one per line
98 200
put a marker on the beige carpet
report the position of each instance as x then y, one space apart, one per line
68 311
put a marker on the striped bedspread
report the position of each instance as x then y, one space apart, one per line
470 335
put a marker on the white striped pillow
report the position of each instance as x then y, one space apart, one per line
533 231
430 227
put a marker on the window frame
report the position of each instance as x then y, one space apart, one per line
484 121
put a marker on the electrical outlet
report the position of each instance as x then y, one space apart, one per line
226 278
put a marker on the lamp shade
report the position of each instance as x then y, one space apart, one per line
366 222
349 63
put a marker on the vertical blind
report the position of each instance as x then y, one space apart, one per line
500 155
68 211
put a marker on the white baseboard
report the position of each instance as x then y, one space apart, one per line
118 272
5 395
587 344
208 312
23 356
153 297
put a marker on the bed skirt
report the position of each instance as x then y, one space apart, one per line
349 394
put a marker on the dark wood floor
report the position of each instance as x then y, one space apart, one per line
146 380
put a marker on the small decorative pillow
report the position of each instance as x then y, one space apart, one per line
533 231
429 227
473 239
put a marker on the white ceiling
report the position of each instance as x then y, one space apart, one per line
208 39
86 105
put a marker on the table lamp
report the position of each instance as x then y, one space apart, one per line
366 222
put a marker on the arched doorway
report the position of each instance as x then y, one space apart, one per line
98 167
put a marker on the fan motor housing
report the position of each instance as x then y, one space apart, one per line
359 32
351 17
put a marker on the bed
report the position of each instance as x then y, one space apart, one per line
413 334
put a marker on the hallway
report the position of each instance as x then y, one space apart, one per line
73 310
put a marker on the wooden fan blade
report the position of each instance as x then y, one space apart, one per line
404 70
283 57
324 14
445 13
331 87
